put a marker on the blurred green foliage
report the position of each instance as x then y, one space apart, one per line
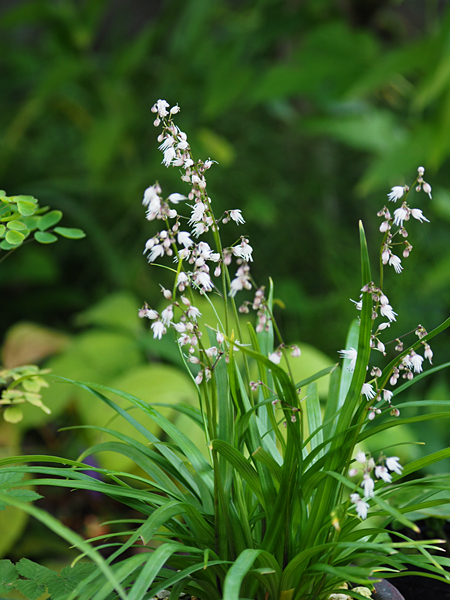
311 108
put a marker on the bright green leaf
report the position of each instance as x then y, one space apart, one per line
15 238
45 238
16 225
70 232
5 246
2 230
13 414
26 208
49 219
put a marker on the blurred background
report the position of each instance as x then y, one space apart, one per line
313 110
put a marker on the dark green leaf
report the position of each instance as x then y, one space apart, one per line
45 238
70 232
8 575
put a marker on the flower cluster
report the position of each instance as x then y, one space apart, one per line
381 471
411 362
400 217
198 264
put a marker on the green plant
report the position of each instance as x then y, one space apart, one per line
21 217
275 504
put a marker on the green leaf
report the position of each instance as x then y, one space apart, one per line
15 238
2 230
30 589
49 219
60 587
237 572
5 246
17 225
13 414
45 238
70 232
25 207
8 575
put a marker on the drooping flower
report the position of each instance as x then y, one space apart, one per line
350 355
368 485
243 251
275 357
236 215
361 506
387 311
368 391
396 193
158 329
393 465
156 251
175 198
400 215
382 473
184 239
418 214
416 361
396 262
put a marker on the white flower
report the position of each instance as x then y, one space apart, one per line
393 465
368 391
361 506
199 378
179 327
368 485
175 109
220 337
161 108
400 215
361 458
417 214
416 361
296 352
240 282
428 353
157 250
198 211
387 311
350 355
199 229
236 215
396 193
396 263
193 313
184 239
149 195
158 329
387 395
358 305
149 313
175 198
427 188
275 357
243 251
211 351
203 279
382 473
167 315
